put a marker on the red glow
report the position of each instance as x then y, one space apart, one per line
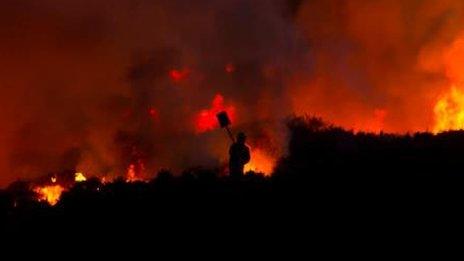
378 123
131 175
179 75
153 113
206 119
229 68
135 172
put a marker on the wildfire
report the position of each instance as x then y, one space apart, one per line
51 193
449 111
206 119
135 172
260 162
131 176
79 177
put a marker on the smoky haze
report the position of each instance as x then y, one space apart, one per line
377 65
85 84
88 85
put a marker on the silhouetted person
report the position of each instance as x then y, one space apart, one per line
239 155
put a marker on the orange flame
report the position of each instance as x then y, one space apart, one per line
51 194
105 180
260 162
135 172
131 175
449 111
79 177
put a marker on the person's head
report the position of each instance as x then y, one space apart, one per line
241 138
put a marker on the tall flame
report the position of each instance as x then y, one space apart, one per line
449 111
131 175
449 108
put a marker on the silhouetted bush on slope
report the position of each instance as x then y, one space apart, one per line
316 148
328 172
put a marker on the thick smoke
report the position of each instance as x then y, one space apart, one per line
99 85
85 84
376 64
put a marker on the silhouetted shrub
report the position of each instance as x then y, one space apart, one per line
327 170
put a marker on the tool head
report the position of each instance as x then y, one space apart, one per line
223 119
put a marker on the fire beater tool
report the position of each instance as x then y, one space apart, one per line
224 122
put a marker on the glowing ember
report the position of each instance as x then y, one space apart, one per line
53 179
79 177
179 75
449 111
260 162
206 119
51 193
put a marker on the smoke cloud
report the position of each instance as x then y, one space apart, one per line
99 85
88 84
377 65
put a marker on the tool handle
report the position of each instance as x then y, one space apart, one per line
230 134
